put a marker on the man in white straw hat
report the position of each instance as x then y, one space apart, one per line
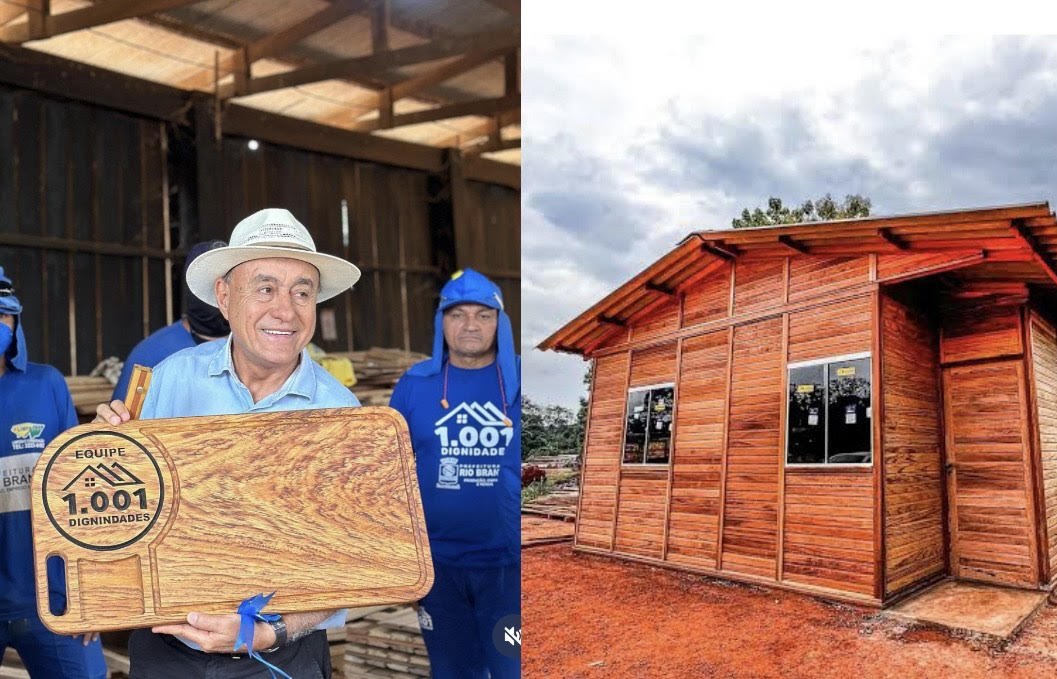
266 283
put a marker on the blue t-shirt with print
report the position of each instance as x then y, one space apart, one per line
468 462
152 351
35 407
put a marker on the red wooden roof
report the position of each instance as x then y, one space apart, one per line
1013 243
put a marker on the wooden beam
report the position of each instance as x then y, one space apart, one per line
280 41
371 66
11 10
379 14
1027 237
482 129
249 122
490 171
494 143
510 73
477 107
86 17
84 246
60 77
435 76
889 237
654 287
794 245
417 84
717 251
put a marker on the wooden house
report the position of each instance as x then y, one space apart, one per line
852 408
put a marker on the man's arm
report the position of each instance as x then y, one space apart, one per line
217 633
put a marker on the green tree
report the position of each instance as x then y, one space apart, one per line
533 433
825 208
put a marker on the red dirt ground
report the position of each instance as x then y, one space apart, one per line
591 616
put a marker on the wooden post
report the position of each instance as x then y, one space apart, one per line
1035 447
726 440
620 461
780 556
877 423
166 235
584 449
785 284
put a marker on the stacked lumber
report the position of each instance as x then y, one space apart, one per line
385 644
377 371
560 504
89 392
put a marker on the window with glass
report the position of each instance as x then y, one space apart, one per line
829 412
648 425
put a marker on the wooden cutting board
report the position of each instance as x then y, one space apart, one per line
158 518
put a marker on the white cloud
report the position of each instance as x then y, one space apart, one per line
631 144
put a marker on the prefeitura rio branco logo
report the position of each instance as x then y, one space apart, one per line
103 490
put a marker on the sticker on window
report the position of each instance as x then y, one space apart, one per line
805 388
846 372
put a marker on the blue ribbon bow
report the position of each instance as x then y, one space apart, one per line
250 610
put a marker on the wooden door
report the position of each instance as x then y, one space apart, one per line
991 510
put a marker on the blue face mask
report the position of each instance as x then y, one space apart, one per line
6 335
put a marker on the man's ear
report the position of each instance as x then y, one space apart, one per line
222 289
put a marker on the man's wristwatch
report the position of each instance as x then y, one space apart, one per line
279 627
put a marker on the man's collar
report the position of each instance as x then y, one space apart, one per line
301 382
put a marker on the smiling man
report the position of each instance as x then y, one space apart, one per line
266 283
462 407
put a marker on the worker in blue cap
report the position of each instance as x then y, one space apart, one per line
35 407
462 406
198 323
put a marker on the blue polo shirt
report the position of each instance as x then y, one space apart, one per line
201 380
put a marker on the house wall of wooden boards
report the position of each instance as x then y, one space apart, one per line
963 478
103 189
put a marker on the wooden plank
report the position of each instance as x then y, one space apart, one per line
620 466
373 65
1034 443
673 449
782 426
85 17
976 334
877 403
585 447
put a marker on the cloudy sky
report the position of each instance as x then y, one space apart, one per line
629 145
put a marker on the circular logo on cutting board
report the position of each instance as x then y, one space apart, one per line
103 490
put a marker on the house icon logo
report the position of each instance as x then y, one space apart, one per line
93 476
486 415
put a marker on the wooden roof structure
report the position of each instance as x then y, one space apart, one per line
443 73
1014 244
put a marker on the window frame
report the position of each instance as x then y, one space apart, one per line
646 442
826 378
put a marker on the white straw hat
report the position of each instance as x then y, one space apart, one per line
272 232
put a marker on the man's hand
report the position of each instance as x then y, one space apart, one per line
217 633
87 638
114 412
